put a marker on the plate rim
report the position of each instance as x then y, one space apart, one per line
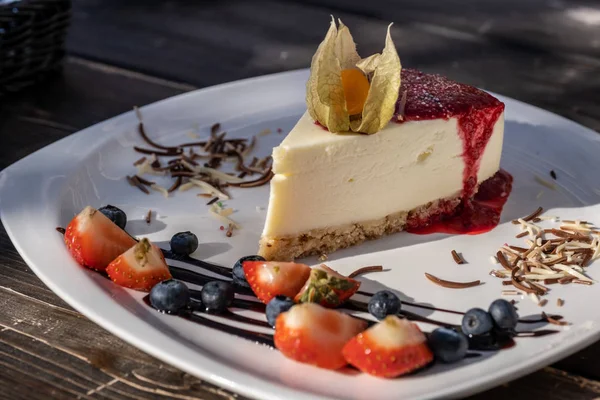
276 390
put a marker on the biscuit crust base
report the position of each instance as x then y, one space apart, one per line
327 240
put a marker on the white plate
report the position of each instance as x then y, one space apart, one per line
47 188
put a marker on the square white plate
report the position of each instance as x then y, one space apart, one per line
47 188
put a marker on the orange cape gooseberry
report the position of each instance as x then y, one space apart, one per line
356 88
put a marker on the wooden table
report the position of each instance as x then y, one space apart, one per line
125 53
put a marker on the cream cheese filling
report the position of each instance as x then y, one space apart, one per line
326 180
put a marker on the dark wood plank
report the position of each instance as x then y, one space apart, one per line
546 383
64 352
546 25
214 42
89 93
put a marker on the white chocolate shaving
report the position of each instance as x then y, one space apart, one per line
160 189
210 189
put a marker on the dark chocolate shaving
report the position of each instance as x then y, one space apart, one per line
152 143
175 185
451 284
144 181
266 177
133 181
138 162
366 270
156 152
531 216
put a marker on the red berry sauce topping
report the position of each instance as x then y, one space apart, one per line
478 215
428 96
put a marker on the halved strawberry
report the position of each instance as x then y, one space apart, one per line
94 240
271 278
140 267
391 348
327 287
314 335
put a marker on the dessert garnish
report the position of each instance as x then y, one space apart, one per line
277 305
553 321
391 348
529 217
140 268
170 296
222 213
448 345
457 257
94 240
450 284
477 322
384 303
186 170
545 183
552 256
366 270
270 278
306 332
315 335
229 232
135 181
326 287
115 214
346 93
184 243
237 272
217 296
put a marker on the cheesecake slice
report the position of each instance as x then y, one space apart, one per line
332 191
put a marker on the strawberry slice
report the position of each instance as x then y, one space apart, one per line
327 287
140 267
271 278
314 335
94 240
391 348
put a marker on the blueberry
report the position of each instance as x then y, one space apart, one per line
170 296
276 306
384 303
504 314
217 296
477 322
184 243
448 345
239 278
115 214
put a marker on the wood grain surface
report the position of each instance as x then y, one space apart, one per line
125 53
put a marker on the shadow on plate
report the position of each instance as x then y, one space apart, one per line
138 227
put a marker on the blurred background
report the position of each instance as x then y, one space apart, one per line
546 52
79 62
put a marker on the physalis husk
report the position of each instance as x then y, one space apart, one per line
346 93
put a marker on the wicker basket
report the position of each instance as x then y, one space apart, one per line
32 36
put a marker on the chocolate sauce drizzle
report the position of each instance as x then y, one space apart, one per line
195 312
